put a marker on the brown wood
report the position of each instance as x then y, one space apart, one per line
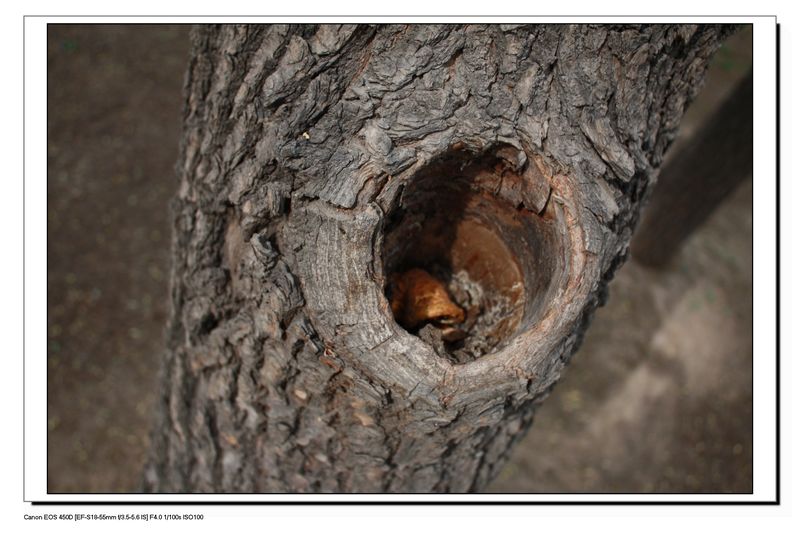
696 180
318 161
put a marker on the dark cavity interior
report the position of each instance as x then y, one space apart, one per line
496 260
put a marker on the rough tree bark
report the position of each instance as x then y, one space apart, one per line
317 161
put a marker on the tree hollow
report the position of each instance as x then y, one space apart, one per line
463 218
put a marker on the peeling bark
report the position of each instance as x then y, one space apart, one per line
317 161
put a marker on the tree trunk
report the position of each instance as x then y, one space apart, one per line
320 164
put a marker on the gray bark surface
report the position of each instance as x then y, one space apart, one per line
316 160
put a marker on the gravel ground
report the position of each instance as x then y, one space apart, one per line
658 399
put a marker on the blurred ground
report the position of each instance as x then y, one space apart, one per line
114 110
658 399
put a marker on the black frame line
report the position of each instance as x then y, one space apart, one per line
404 16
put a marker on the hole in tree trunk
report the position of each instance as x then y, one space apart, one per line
468 259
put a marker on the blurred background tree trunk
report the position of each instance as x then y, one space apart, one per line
714 161
305 149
